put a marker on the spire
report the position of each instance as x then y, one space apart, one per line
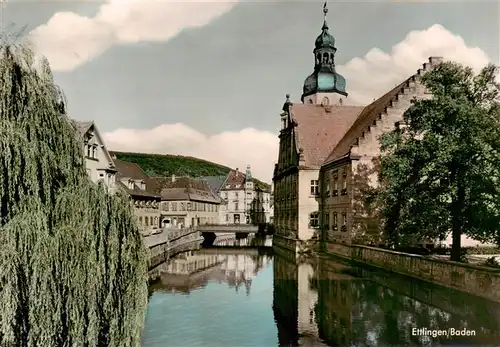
325 12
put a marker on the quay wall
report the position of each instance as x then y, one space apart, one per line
474 279
168 244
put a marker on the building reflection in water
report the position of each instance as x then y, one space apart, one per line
194 270
330 303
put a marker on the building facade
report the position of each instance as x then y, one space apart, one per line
187 202
260 209
309 131
143 198
238 192
328 152
98 161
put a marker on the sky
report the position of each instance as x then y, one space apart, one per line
208 78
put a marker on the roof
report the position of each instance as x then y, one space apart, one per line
366 118
127 169
235 180
185 188
133 171
82 126
320 128
215 182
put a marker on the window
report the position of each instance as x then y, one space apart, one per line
335 187
189 206
344 221
227 218
236 195
236 206
146 220
344 186
314 220
174 206
327 187
183 206
327 221
225 195
335 221
89 150
140 220
344 172
314 187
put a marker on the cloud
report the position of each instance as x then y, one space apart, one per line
69 40
234 149
370 77
377 72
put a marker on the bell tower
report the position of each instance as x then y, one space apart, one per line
324 86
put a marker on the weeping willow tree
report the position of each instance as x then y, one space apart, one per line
73 269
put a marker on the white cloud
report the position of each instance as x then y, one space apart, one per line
369 77
69 40
234 149
377 72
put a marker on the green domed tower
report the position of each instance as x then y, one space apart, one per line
324 83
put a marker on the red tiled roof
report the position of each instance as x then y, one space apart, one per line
134 171
184 188
235 180
320 128
366 118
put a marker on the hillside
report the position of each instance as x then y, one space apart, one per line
167 165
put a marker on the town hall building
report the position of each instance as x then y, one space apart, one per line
323 143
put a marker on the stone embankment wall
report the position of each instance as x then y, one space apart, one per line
168 244
477 280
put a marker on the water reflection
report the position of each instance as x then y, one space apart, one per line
244 297
330 303
194 270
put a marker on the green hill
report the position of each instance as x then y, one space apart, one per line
167 165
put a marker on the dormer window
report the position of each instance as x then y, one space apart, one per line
130 184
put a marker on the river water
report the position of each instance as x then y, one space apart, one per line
251 297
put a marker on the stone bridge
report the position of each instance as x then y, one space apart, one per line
228 228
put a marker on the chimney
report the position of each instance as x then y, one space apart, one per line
435 60
173 178
237 171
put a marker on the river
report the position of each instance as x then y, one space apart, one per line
251 297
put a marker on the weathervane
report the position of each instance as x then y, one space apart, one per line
325 11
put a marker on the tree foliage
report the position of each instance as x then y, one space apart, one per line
73 265
164 165
440 171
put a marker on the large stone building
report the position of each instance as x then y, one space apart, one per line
98 161
238 193
139 186
187 202
325 145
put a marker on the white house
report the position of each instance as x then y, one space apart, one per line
99 163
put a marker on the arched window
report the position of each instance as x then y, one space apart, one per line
325 58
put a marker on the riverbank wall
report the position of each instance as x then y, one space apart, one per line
167 244
474 279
